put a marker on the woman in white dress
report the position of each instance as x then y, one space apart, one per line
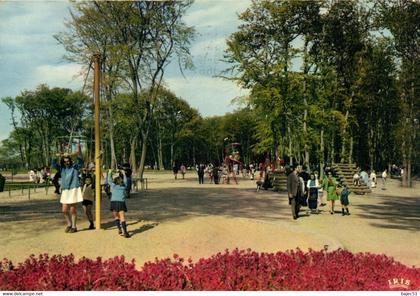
71 192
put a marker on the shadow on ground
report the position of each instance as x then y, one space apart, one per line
392 212
163 205
182 203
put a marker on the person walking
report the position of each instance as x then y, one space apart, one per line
324 182
71 193
129 175
183 171
331 191
356 179
292 191
313 187
56 182
209 170
200 172
88 198
175 170
344 199
372 179
305 176
216 169
384 176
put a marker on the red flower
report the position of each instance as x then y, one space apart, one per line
236 270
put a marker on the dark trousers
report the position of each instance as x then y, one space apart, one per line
56 185
294 203
201 178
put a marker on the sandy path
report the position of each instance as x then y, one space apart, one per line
196 221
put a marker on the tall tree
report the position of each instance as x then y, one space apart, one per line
139 39
343 34
401 17
45 114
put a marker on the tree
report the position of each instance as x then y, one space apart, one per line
140 39
401 17
261 54
376 105
172 116
46 114
343 34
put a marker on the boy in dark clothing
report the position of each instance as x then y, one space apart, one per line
344 199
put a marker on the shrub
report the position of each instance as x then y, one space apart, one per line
236 270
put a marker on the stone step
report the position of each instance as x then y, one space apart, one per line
344 164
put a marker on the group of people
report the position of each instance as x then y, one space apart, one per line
39 175
215 173
226 172
369 178
303 189
183 170
78 186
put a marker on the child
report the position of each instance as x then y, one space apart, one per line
88 198
344 199
118 206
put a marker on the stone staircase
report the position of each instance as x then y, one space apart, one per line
344 173
279 181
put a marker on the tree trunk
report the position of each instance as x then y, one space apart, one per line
143 156
290 146
408 173
351 150
172 155
321 157
111 138
160 155
124 157
155 161
132 160
47 148
275 144
305 103
405 162
297 153
344 138
193 154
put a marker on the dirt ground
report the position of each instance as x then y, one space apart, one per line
192 220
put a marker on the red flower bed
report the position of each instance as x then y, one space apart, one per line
237 270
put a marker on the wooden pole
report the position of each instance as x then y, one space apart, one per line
96 88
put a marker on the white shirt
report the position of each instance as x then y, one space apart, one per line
309 184
31 175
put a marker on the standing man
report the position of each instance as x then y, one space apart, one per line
292 191
305 176
200 172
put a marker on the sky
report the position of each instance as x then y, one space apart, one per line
29 55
